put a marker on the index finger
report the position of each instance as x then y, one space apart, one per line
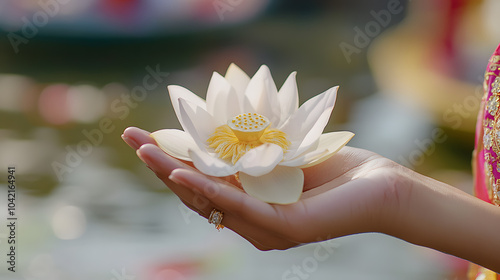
231 199
136 137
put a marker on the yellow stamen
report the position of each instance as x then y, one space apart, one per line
232 141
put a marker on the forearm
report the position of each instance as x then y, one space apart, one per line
444 218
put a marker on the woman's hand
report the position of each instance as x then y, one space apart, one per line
354 191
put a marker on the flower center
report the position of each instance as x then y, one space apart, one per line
243 133
248 127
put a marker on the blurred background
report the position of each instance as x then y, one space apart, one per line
75 74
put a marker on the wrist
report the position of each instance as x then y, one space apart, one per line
435 215
399 200
414 202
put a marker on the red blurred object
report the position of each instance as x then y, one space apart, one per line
53 105
180 270
122 11
446 47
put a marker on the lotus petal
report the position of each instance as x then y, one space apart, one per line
260 160
283 185
210 164
263 95
174 142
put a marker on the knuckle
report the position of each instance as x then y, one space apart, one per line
210 189
200 201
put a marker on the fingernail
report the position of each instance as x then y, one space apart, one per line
138 152
174 179
131 142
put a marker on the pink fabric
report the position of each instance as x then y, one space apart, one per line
480 188
486 155
486 162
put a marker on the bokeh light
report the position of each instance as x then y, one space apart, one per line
68 222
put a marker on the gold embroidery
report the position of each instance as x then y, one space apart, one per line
488 123
494 63
487 138
491 128
496 86
492 105
486 157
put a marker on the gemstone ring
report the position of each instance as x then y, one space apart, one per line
215 218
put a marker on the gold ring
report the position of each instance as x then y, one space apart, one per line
215 218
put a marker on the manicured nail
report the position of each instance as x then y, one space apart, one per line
174 179
131 142
138 152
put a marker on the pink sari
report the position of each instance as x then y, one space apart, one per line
486 157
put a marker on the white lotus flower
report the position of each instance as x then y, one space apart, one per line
247 127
